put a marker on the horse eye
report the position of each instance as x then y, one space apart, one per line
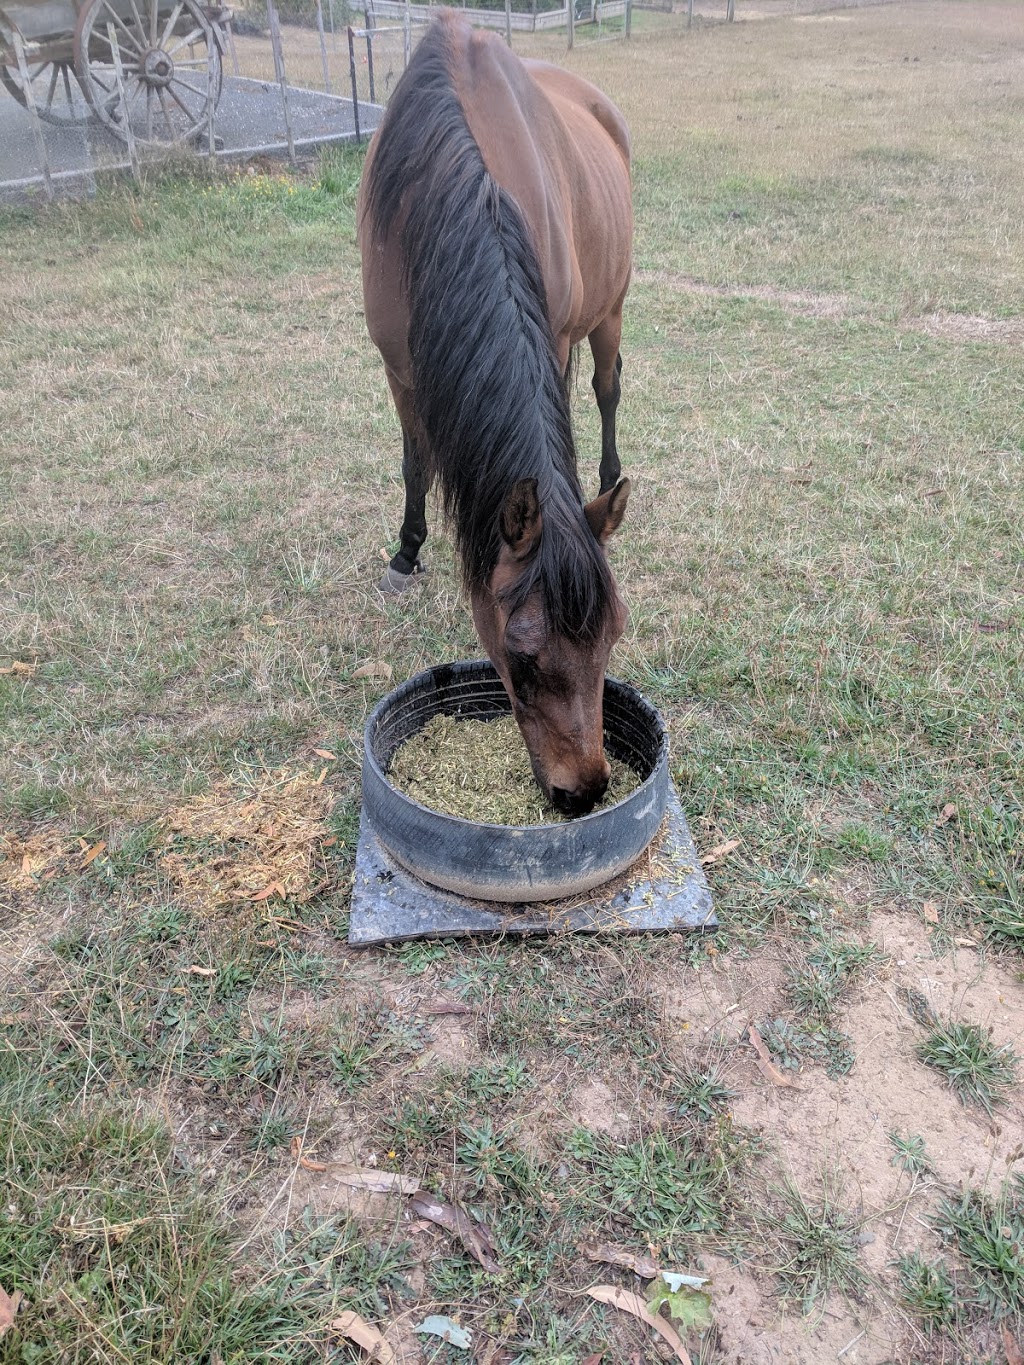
522 672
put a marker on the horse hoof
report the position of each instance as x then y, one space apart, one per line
392 582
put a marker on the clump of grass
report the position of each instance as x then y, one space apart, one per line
926 1291
701 1095
480 770
1003 914
817 1248
665 1186
978 1070
988 1233
120 1252
909 1152
818 985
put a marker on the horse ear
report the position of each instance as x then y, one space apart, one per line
605 513
521 518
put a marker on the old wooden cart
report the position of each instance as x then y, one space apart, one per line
151 68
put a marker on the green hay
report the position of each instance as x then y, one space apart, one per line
480 770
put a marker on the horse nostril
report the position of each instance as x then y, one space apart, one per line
579 802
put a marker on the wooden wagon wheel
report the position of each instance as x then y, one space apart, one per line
170 63
57 94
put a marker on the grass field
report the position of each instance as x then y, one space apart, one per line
824 565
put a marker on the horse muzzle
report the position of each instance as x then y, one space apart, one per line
580 800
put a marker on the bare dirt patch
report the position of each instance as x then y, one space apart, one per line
842 307
835 1132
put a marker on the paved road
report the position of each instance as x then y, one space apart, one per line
250 119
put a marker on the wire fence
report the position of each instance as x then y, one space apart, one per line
126 83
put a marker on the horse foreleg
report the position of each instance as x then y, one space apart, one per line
604 343
405 565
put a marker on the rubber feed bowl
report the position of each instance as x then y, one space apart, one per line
511 862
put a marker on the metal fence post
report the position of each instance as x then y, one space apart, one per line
508 22
323 44
689 13
355 86
407 35
33 113
275 42
369 65
629 18
570 16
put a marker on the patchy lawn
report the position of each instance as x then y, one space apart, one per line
211 1108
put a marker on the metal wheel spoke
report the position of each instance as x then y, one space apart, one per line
165 37
183 42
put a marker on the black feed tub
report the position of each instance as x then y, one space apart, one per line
511 862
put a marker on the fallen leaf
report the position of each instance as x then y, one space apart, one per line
474 1236
931 912
720 851
94 852
449 1007
20 668
305 1162
270 621
685 1298
201 971
268 891
357 1329
993 627
379 1182
934 492
765 1064
633 1303
607 1254
1014 1355
592 1360
449 1331
320 779
8 1309
324 753
965 942
947 813
377 668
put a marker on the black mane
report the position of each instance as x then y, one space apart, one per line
487 385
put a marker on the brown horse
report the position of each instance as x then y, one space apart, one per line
495 223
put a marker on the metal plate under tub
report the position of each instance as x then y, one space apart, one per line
664 891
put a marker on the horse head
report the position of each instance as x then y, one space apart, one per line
554 677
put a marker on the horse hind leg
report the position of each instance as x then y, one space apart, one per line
604 343
405 565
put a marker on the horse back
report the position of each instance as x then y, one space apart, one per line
561 149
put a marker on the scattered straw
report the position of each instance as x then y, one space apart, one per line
480 770
239 844
26 863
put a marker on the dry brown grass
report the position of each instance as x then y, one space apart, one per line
238 846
